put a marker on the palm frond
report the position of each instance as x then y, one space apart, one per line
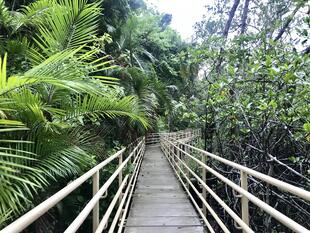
149 89
5 17
43 110
95 107
36 12
15 158
32 15
61 70
26 168
70 26
70 65
66 163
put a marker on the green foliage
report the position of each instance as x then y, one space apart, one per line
81 78
69 25
5 17
56 151
49 106
95 107
253 96
61 112
307 127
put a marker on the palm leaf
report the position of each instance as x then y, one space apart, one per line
70 26
26 168
15 189
95 107
36 12
5 17
70 65
59 70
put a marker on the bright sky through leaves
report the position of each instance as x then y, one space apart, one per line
184 13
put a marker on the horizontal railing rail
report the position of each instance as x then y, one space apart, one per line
179 153
135 157
152 138
183 135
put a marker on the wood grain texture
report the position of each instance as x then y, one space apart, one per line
159 202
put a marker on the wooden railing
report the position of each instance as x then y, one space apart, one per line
126 183
179 152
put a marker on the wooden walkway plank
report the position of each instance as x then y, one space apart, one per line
159 202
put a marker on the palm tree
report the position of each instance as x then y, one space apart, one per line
45 111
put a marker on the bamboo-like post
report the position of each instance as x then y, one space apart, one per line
244 200
204 179
186 160
120 175
179 156
96 207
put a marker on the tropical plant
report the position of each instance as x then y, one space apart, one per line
46 111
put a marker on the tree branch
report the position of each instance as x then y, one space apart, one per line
274 159
288 21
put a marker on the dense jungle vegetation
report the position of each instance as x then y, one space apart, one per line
79 79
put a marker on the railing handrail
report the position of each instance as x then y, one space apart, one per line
176 146
172 148
154 138
31 216
302 193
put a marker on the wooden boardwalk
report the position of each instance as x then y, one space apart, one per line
159 204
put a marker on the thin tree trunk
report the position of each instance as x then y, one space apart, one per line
267 218
230 18
225 32
288 21
13 5
244 16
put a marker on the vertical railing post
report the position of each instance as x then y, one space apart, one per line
171 155
244 200
174 156
120 175
178 157
204 179
134 154
96 207
186 160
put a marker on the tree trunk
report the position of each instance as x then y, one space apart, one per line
225 32
288 21
244 16
230 18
